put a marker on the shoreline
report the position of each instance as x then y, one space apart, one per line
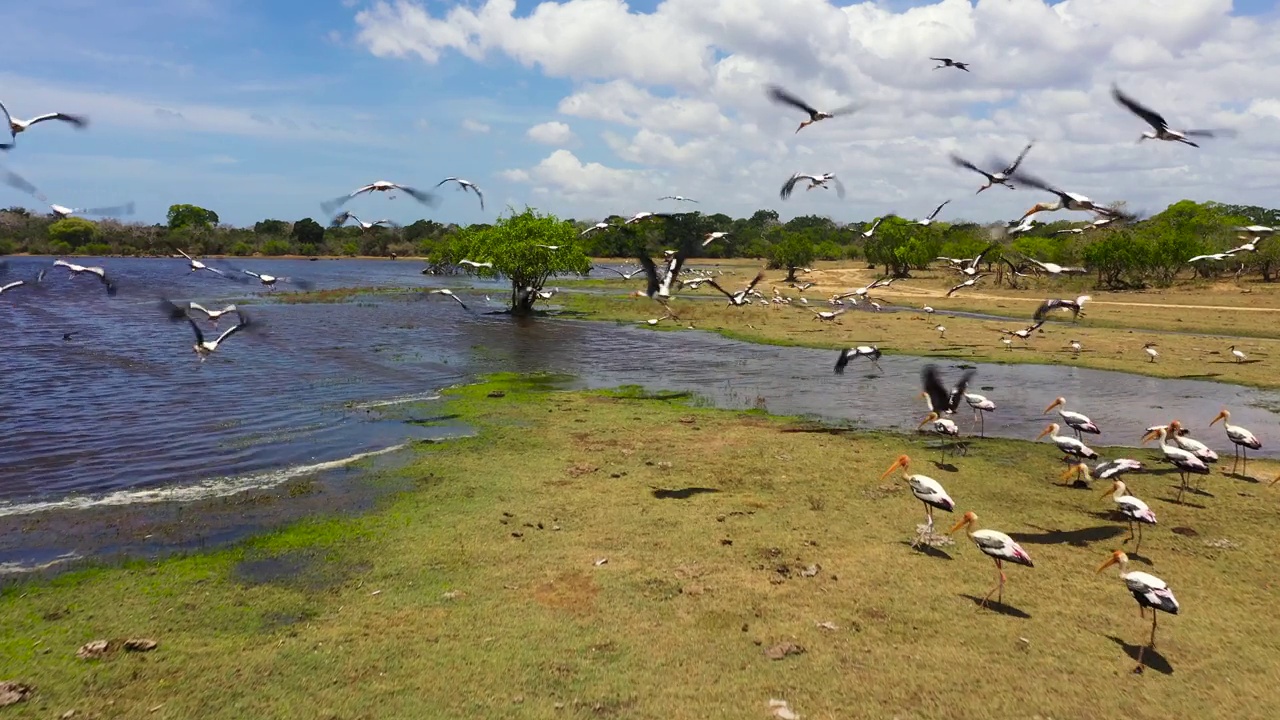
634 534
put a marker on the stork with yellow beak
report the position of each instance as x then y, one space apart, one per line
928 491
940 426
1078 422
1184 460
1069 446
1240 437
1150 592
1133 509
996 545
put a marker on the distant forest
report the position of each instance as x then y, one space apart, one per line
1149 252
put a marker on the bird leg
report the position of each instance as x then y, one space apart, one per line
1183 487
1131 536
924 537
999 586
1244 465
1139 545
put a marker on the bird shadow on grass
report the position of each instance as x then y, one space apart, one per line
1199 376
1140 558
999 607
1184 503
931 551
682 493
1240 476
945 466
1078 538
1150 657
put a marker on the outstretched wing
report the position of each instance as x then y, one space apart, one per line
1018 160
1155 119
790 185
961 162
779 94
425 198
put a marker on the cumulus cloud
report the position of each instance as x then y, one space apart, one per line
550 133
678 93
475 126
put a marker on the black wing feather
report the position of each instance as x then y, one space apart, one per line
1155 119
779 94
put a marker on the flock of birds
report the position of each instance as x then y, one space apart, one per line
1187 455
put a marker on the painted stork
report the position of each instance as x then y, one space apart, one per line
1075 306
1026 333
929 220
425 198
781 95
448 293
940 426
677 198
1066 200
738 298
1160 128
1243 440
197 265
827 315
213 315
97 272
981 406
1256 230
15 126
713 236
341 218
996 545
948 62
1069 446
941 399
1115 468
969 266
645 215
970 282
814 182
999 178
1078 422
1134 510
465 186
870 352
1182 438
1184 460
476 265
659 288
595 228
1055 269
928 491
872 230
1150 592
12 285
202 348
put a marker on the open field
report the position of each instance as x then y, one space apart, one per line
1185 323
484 592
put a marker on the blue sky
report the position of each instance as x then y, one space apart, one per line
264 109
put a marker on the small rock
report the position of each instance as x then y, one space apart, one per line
810 571
497 394
1221 544
782 710
68 714
664 465
558 706
517 534
12 693
1024 643
375 592
517 699
828 625
726 541
601 561
1184 531
451 595
555 527
140 645
783 649
93 650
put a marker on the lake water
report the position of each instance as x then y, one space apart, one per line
124 411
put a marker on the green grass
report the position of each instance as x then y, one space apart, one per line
433 607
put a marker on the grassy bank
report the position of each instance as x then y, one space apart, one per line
612 555
1186 324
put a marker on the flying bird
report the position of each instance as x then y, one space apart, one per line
932 215
476 265
814 182
17 126
677 198
595 228
740 297
197 265
870 352
659 288
270 280
1157 122
203 348
1066 200
942 400
425 198
97 272
645 216
12 285
16 181
713 236
1000 178
213 315
1075 306
948 62
465 185
449 293
341 219
967 283
780 95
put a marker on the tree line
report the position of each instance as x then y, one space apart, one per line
1150 252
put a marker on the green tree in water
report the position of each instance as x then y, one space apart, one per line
526 248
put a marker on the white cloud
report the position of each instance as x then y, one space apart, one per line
551 133
475 126
679 92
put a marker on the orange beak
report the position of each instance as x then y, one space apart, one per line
1044 432
1115 558
901 462
1078 467
1052 405
1149 437
1216 418
1273 482
957 526
927 419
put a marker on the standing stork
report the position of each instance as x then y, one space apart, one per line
928 491
996 545
1243 440
940 426
1133 509
1078 422
1069 446
981 406
781 95
1184 460
1150 592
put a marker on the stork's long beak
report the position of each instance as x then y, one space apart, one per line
1111 489
1044 432
1052 405
1149 437
1071 471
924 422
1273 482
896 464
1110 561
1216 418
957 526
